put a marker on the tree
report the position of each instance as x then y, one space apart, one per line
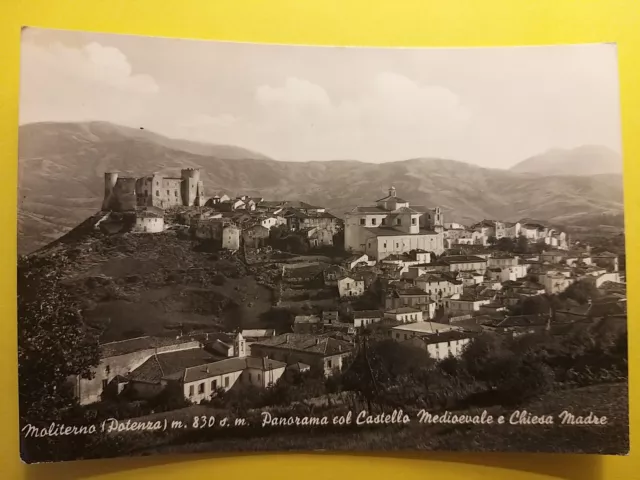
54 345
522 244
53 342
506 244
492 240
581 291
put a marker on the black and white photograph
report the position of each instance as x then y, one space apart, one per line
237 247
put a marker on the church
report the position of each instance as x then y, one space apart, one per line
393 226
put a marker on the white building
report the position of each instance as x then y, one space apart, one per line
230 237
404 314
393 226
366 317
441 345
438 287
461 304
202 382
555 282
410 330
350 287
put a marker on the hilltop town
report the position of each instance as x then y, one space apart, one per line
392 264
391 271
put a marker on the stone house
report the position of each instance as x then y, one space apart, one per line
230 237
350 286
307 324
324 353
363 318
441 345
203 381
255 236
404 314
118 359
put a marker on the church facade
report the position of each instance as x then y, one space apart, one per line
393 226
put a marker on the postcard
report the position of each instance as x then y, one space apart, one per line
237 247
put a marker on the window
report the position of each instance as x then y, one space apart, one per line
348 285
406 337
384 221
104 384
413 221
176 192
214 385
397 245
373 221
146 192
384 244
363 221
157 193
259 377
201 388
168 192
107 370
226 381
191 390
157 183
328 363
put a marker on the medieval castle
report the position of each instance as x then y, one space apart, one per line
122 194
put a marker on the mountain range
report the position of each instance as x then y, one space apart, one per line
61 167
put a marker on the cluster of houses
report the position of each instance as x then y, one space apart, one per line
429 284
148 204
489 231
249 220
199 366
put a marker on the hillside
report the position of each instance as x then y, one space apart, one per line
585 160
132 285
61 180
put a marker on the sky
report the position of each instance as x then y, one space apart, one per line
492 107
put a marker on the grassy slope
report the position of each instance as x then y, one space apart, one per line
149 283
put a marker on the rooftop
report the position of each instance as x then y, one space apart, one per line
256 333
367 314
169 364
229 365
322 345
401 310
370 209
425 327
306 319
461 259
451 335
389 197
298 366
123 347
391 232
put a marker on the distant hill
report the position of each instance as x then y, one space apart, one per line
585 160
62 164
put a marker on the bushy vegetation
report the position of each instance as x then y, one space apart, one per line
493 370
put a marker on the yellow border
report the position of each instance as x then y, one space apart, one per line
337 22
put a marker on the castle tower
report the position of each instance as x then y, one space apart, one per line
190 179
392 191
110 179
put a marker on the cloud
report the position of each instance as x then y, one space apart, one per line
395 115
93 62
92 82
295 92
